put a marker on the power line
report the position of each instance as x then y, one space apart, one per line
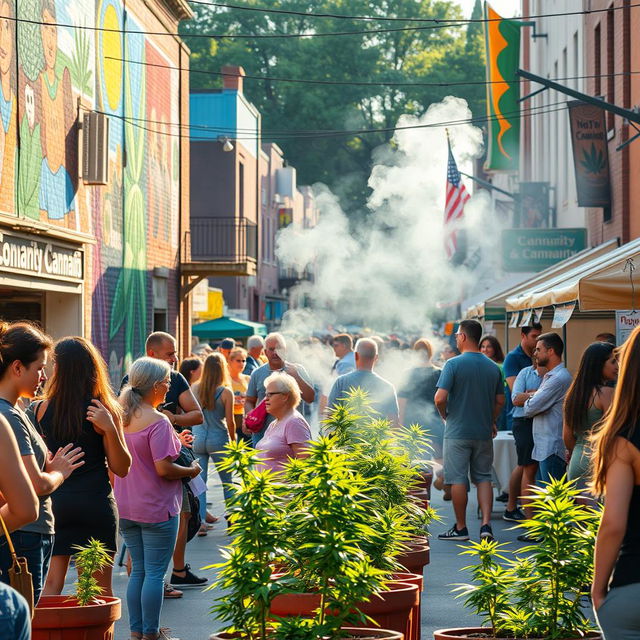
398 19
366 84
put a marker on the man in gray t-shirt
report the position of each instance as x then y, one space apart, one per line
382 394
470 396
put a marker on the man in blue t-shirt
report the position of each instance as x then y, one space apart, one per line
470 397
514 363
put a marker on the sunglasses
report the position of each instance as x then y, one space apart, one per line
272 393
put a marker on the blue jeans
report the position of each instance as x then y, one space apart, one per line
15 619
151 547
36 548
552 467
208 444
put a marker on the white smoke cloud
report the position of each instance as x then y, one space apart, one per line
391 272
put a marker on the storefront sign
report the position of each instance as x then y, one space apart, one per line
626 322
21 254
537 249
590 154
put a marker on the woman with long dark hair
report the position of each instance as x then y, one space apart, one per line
23 357
616 472
585 404
491 347
214 394
80 407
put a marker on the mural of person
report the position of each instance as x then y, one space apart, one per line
8 104
58 137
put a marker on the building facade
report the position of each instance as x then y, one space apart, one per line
98 260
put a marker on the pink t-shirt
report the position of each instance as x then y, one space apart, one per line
143 495
275 445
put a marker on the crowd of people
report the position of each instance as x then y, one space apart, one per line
80 460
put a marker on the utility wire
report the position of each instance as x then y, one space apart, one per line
357 83
339 16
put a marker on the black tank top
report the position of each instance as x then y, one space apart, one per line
93 475
627 569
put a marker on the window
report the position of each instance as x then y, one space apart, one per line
597 63
611 80
576 61
241 189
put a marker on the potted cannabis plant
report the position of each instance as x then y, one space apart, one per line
540 590
88 615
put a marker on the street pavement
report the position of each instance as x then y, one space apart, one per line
190 618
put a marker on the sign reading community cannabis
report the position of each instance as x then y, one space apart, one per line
537 249
590 154
502 39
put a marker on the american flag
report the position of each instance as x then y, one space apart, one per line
457 197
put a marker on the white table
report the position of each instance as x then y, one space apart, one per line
505 459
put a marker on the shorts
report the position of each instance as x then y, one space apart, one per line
523 435
464 458
186 507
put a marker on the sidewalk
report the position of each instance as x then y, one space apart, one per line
190 619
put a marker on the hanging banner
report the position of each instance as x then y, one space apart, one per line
526 318
537 314
590 154
514 320
502 42
626 322
562 314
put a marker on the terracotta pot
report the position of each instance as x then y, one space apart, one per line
418 540
416 614
361 634
464 632
422 495
426 478
60 617
415 559
391 609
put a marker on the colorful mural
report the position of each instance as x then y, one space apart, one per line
63 70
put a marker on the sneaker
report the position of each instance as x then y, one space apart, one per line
188 580
513 516
503 497
527 538
170 592
486 532
454 534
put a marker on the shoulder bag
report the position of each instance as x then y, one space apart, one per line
19 577
254 420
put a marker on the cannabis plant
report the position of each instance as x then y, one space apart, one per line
256 522
539 591
90 559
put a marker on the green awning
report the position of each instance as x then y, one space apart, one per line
228 328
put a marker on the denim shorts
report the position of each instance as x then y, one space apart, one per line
464 458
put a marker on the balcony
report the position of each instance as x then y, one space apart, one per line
288 278
220 247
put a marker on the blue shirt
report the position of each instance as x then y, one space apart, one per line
347 364
382 394
545 407
527 380
515 362
473 382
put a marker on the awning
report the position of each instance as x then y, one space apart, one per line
601 284
228 328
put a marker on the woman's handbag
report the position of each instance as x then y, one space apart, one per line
19 577
254 420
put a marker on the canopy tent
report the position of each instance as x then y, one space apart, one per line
495 302
228 328
601 284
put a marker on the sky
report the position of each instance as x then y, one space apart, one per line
506 8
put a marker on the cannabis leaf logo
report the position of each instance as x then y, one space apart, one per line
593 160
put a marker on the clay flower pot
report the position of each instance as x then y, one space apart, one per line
485 634
415 558
391 609
360 634
416 614
422 495
61 617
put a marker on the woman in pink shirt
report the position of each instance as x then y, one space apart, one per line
287 436
150 496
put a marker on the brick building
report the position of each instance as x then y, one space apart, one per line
99 260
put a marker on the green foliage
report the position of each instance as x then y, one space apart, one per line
431 55
79 66
92 558
539 592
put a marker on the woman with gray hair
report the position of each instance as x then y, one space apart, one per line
287 436
150 496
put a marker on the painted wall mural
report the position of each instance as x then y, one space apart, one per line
52 68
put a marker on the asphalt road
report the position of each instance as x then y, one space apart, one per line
189 617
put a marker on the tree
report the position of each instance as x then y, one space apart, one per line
426 53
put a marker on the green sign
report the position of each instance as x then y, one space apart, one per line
537 249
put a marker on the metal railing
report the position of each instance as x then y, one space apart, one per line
221 240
